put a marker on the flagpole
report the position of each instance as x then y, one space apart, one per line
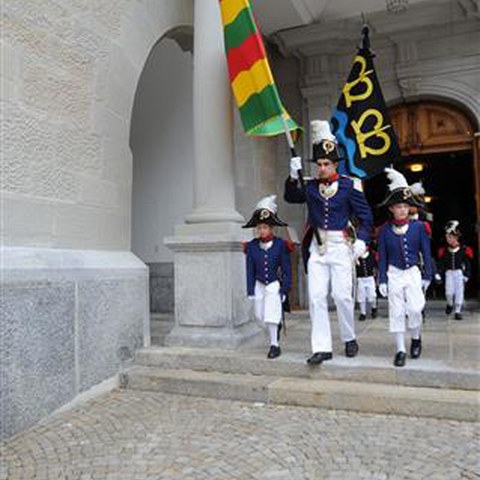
291 145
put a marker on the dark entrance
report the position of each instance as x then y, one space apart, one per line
438 138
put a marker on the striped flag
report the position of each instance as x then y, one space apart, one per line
252 81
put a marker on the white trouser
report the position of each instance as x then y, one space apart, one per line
405 297
268 304
366 292
454 288
335 266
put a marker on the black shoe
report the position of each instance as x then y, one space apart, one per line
400 359
362 317
448 309
416 348
374 312
458 316
274 352
319 357
351 348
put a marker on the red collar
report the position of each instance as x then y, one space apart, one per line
329 180
267 239
401 222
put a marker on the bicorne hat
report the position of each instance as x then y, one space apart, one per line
453 227
265 212
324 143
399 190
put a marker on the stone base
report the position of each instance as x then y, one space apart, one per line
211 306
69 320
203 337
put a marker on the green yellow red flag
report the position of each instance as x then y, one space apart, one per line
253 86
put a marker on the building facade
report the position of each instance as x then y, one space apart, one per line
124 167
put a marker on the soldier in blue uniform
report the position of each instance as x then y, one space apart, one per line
332 200
454 265
366 289
269 271
402 244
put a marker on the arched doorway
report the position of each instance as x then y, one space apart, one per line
439 147
160 140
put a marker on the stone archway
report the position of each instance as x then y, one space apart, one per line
161 134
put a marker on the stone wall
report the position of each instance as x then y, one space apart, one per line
74 299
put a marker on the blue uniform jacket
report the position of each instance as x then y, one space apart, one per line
333 213
403 251
264 265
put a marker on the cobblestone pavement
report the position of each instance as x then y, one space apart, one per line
135 435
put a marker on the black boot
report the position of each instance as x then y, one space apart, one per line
351 348
416 348
374 312
318 357
400 359
458 316
362 317
448 309
274 352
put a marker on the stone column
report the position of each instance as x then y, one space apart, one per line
214 193
211 309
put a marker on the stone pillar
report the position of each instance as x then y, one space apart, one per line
211 309
214 193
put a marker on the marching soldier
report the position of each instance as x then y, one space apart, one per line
366 288
332 200
402 244
454 264
269 271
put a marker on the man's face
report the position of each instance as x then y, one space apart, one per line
264 230
400 211
452 240
326 168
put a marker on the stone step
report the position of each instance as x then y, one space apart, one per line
417 373
321 393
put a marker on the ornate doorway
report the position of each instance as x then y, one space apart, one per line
439 147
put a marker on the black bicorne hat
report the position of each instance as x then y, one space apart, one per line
453 227
265 212
399 192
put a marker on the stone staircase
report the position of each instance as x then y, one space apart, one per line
444 383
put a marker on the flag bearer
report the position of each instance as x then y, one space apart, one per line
402 244
332 200
269 271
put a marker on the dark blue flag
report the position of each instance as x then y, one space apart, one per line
361 122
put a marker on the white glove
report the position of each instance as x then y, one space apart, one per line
383 289
251 297
425 285
359 248
295 165
283 298
438 278
465 279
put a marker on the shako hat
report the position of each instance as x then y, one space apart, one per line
399 190
265 212
324 143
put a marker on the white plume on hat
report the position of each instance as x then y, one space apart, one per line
452 226
397 180
320 130
268 203
417 188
